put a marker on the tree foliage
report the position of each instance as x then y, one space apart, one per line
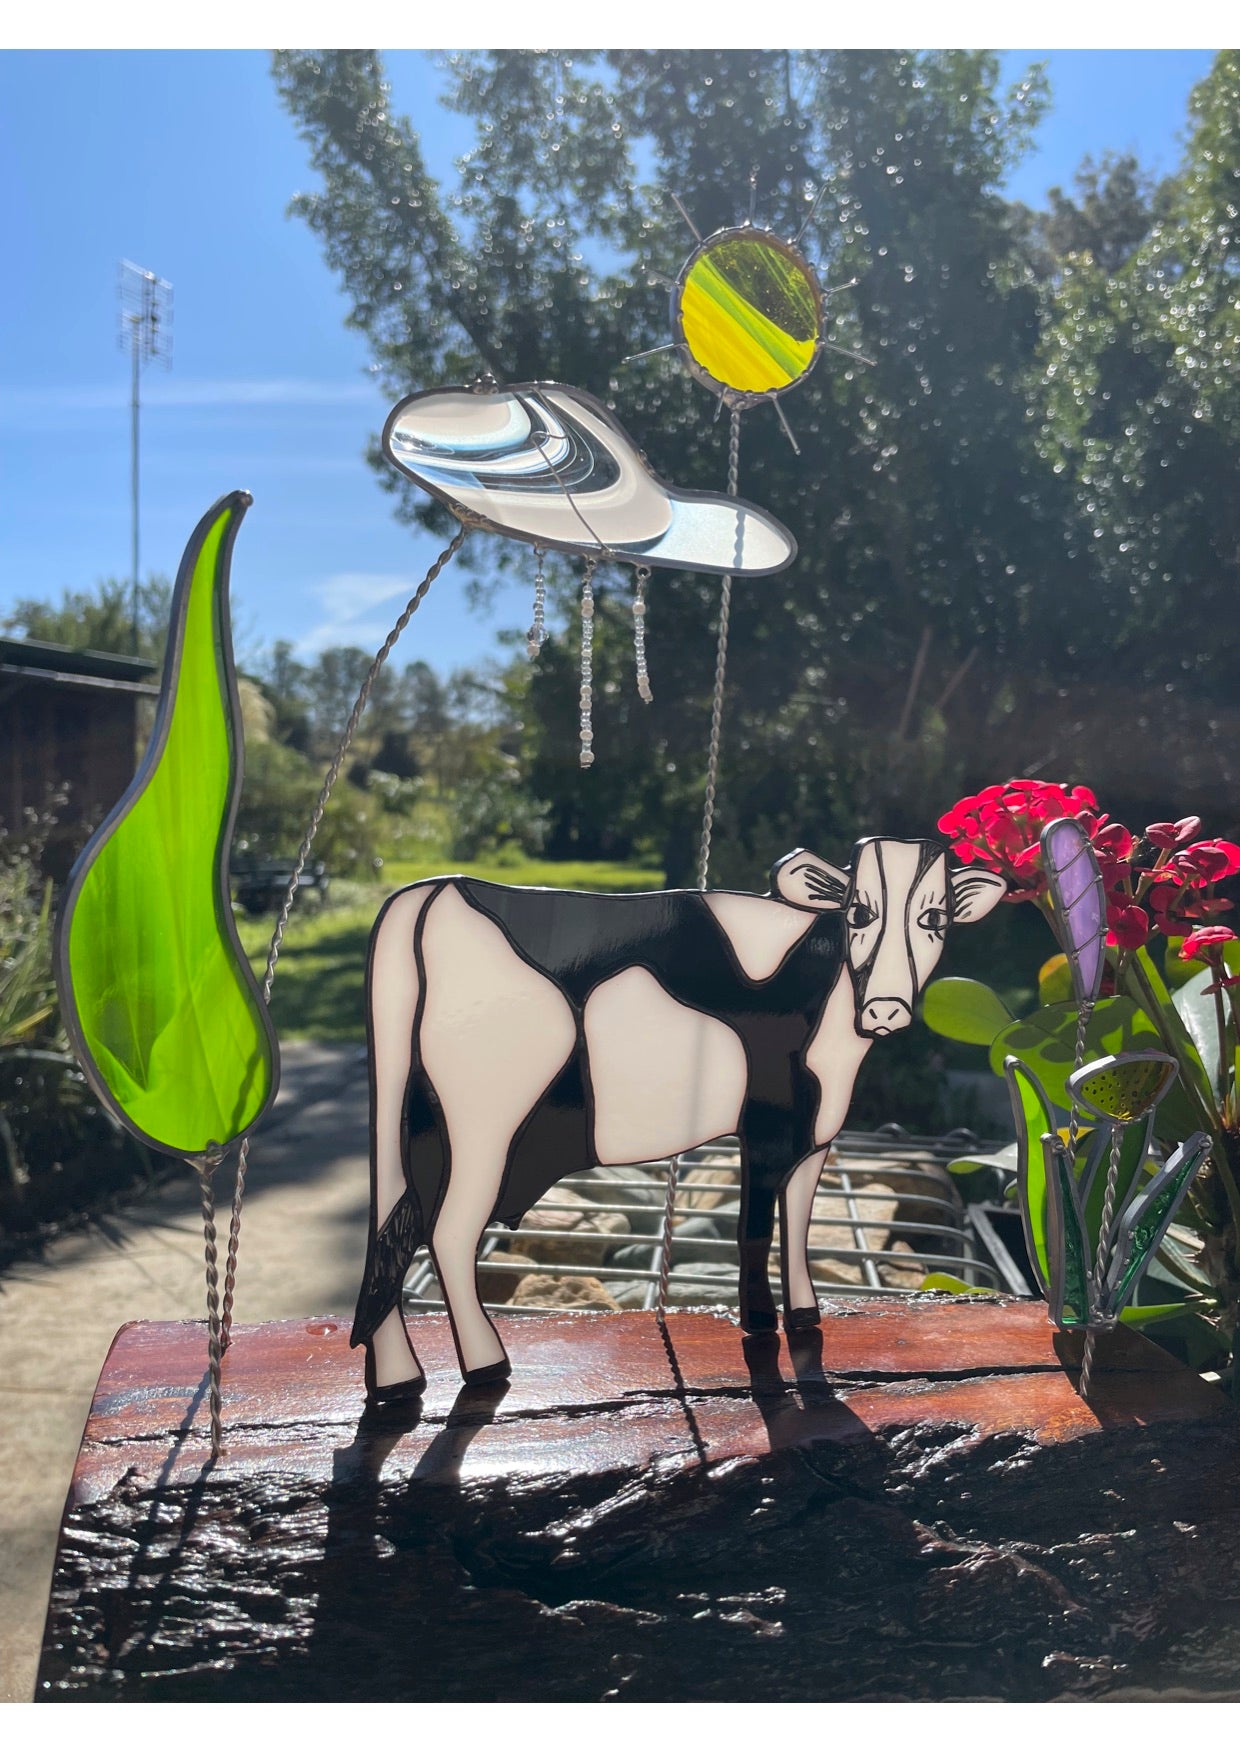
1022 512
101 619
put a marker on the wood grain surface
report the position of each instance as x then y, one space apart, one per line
911 1503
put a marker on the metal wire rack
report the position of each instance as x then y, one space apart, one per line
885 1214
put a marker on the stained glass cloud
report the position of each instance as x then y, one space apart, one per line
550 465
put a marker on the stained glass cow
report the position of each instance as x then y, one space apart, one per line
521 1035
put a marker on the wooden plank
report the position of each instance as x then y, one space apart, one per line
715 1498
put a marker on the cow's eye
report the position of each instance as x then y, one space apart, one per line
859 916
933 919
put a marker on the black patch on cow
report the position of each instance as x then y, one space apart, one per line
424 1145
580 940
556 1133
388 1258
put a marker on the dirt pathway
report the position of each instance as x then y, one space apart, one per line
302 1246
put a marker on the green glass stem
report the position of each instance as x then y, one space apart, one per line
1211 1119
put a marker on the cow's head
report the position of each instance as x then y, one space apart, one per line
898 900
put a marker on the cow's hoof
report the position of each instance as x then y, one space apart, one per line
395 1393
760 1321
490 1372
802 1320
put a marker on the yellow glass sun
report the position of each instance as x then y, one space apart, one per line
747 314
748 311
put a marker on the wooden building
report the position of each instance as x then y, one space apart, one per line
69 721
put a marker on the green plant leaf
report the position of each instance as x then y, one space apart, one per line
1151 1313
957 1286
160 1002
964 1010
1055 981
1195 1008
1185 1329
1178 1115
1045 1042
1158 985
1178 1264
1007 1161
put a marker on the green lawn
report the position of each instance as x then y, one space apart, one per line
318 991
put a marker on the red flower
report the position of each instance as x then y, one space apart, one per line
1112 841
1128 927
1208 861
1178 905
1168 835
1001 826
1209 937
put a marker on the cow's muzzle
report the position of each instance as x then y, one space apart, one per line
883 1016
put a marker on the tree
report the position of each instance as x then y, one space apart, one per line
952 588
101 619
1142 402
930 463
1115 208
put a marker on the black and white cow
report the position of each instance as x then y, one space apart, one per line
521 1035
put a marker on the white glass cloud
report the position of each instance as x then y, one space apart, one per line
551 465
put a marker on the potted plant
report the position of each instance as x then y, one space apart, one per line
1170 985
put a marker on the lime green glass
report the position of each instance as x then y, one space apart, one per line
1070 1301
157 995
748 310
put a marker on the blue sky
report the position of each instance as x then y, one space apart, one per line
184 162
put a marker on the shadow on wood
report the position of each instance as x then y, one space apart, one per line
912 1503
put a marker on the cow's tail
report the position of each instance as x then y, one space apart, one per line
389 1256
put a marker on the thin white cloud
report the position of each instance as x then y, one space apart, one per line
348 599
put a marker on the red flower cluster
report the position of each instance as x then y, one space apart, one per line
1000 827
1174 893
1208 945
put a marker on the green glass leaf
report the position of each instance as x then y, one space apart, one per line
1069 1297
157 995
1144 1224
964 1010
1134 1153
1034 1118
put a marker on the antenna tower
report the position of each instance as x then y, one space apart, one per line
145 334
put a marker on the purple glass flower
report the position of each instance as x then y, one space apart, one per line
1079 900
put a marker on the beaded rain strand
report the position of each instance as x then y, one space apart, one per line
537 635
639 634
586 698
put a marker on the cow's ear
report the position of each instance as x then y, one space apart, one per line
806 881
974 893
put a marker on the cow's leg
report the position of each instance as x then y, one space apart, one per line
761 1172
392 1367
796 1206
495 1034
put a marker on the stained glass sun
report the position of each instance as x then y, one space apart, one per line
747 314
